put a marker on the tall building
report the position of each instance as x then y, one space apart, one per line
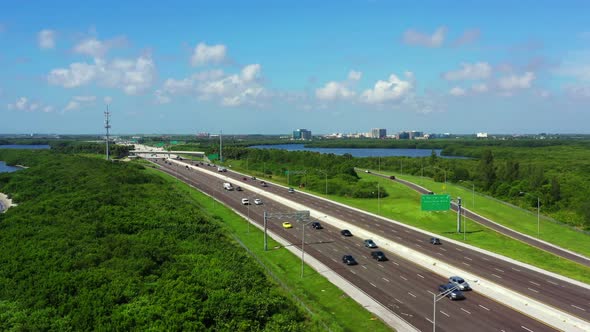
302 134
378 133
415 134
403 135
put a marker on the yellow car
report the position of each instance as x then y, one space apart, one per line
287 224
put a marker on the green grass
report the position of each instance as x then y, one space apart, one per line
329 305
517 219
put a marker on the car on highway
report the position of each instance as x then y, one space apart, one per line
451 291
392 177
287 224
258 201
262 183
378 255
291 190
435 241
253 178
345 232
458 281
316 225
238 188
245 178
349 260
370 243
245 201
367 171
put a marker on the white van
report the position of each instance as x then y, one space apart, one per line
245 201
228 186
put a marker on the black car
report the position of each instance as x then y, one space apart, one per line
349 260
392 177
262 183
378 255
454 294
238 188
316 225
435 241
345 232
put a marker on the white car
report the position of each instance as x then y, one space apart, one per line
258 201
245 201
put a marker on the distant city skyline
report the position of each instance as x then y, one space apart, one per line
268 67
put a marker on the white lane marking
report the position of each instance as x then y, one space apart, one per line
319 250
535 283
444 313
418 245
497 269
382 231
358 245
515 269
364 267
485 259
575 306
364 256
526 328
399 238
534 290
395 263
403 278
551 282
393 230
347 247
334 260
484 307
419 275
431 293
407 231
412 294
428 319
443 249
334 249
458 249
465 264
438 253
497 276
385 279
467 258
381 266
395 298
466 311
352 271
372 284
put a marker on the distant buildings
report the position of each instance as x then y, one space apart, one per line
481 135
302 134
378 133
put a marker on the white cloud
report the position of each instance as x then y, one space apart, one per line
97 48
72 106
468 71
479 87
133 76
251 72
205 54
457 91
391 90
413 37
22 104
354 75
77 102
25 104
46 39
161 98
334 90
468 37
513 82
84 98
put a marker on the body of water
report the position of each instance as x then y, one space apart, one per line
26 147
358 152
7 169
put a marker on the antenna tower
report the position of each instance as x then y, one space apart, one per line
107 126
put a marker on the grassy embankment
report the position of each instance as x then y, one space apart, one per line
327 303
403 204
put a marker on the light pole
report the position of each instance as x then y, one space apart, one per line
325 172
303 244
538 216
436 298
378 198
248 215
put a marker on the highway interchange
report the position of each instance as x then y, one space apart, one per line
400 285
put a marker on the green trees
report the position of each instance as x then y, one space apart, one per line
486 169
95 245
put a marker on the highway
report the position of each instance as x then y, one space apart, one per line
400 285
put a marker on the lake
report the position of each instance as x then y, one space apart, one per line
415 153
26 147
7 169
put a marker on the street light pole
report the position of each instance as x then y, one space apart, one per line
378 198
248 214
436 298
538 216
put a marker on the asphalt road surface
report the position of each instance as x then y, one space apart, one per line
403 287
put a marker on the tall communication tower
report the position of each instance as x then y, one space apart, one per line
107 126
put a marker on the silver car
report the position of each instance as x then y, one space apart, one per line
458 281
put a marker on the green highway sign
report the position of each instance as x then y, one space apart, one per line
212 157
435 202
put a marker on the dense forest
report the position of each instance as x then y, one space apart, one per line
96 245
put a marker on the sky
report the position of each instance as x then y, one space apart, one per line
269 67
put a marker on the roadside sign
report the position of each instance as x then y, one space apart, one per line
435 202
213 156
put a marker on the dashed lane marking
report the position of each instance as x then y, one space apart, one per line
466 311
534 290
552 282
467 258
419 275
364 267
418 245
387 280
412 294
499 270
364 256
458 249
465 264
526 328
381 266
395 298
443 249
352 271
444 313
484 307
575 306
535 283
515 269
334 260
372 284
395 263
438 253
497 276
403 278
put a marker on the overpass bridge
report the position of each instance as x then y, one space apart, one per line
160 152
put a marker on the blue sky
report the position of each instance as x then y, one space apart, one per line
269 67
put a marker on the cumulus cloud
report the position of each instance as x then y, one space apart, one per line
354 75
334 90
413 37
469 36
72 106
25 104
204 54
513 82
77 102
133 76
457 91
97 48
391 90
46 39
469 71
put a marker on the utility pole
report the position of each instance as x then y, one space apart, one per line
538 216
107 126
220 146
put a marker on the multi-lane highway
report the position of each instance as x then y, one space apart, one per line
405 288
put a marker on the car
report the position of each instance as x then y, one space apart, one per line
238 188
245 178
430 193
349 260
262 183
378 255
392 177
253 178
316 225
370 244
245 201
435 241
291 190
287 224
258 201
367 171
451 291
458 281
345 232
